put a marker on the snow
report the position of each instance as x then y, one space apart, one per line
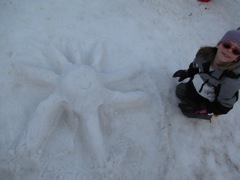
87 91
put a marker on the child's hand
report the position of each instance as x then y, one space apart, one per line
182 74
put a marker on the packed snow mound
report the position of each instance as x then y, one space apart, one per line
97 117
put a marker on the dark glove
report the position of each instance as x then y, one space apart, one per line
195 111
182 74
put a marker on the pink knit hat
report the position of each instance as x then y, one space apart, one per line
233 35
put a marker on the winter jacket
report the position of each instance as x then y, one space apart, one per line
225 84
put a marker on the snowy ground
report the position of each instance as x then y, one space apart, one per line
86 91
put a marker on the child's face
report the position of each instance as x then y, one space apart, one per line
228 51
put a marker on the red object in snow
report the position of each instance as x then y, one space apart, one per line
204 0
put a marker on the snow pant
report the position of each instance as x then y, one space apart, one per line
187 93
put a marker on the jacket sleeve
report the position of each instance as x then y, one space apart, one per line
227 97
217 108
192 70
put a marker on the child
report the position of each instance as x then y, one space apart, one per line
214 79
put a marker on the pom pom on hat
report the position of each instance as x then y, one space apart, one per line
233 35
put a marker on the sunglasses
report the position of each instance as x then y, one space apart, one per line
228 45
